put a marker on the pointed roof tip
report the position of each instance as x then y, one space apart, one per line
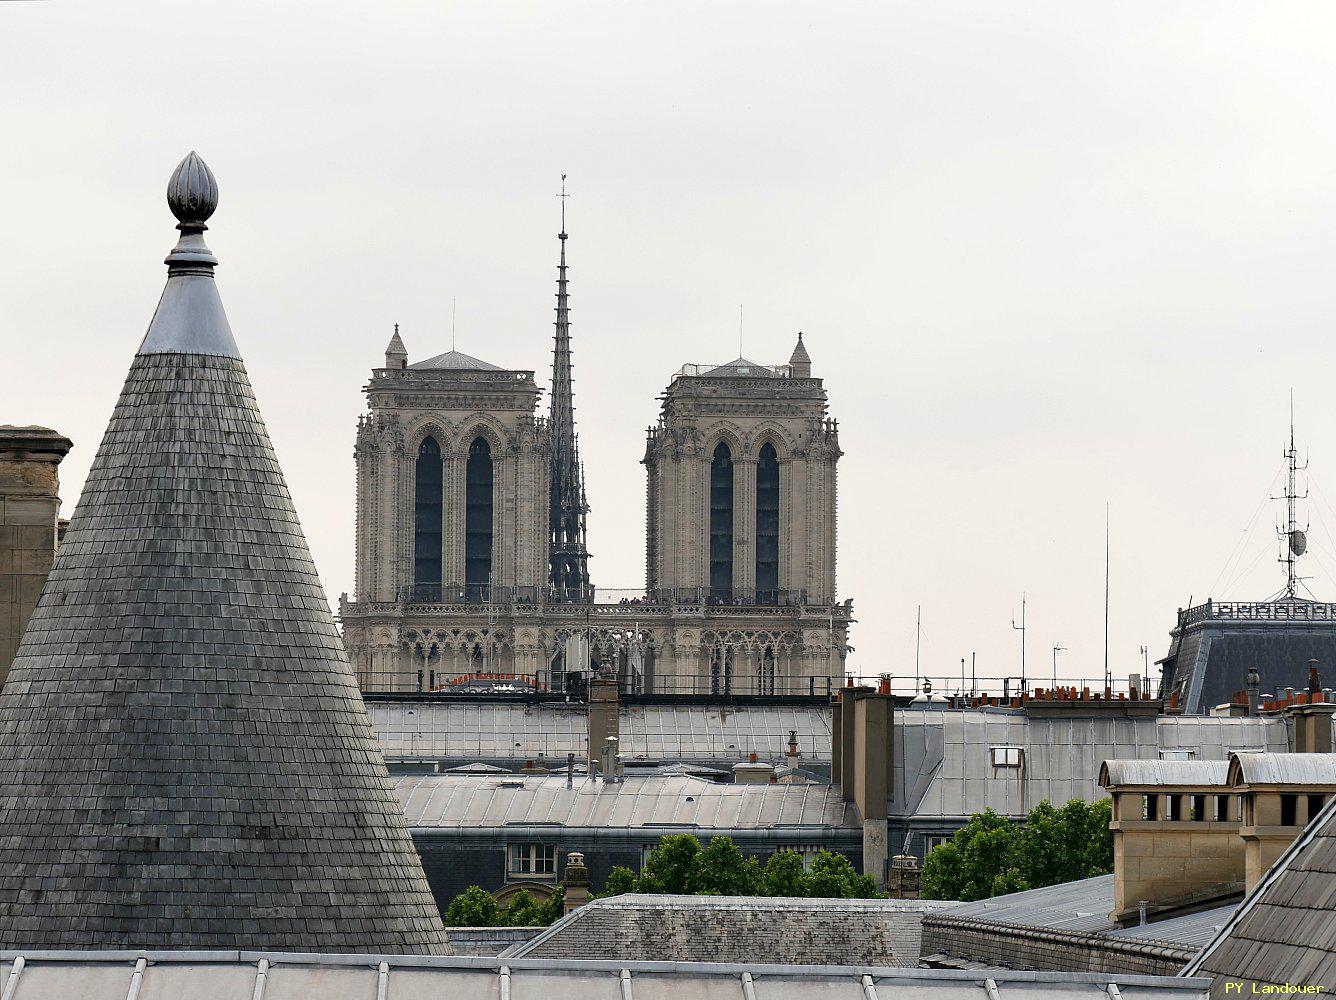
396 345
190 318
800 355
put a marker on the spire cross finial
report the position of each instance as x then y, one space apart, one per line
563 196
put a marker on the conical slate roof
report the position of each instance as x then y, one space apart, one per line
187 761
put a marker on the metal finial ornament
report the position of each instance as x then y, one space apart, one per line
192 193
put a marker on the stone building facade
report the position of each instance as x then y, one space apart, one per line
29 525
452 522
741 529
472 570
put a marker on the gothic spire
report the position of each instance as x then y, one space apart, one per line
567 508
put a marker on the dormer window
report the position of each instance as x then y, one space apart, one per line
1006 756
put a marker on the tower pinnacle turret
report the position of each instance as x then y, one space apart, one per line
568 554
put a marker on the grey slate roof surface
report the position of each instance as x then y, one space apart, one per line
457 361
638 927
676 802
249 975
1285 930
186 758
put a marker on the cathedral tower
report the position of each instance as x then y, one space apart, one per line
472 565
741 521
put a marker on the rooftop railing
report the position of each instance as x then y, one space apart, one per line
608 601
1260 611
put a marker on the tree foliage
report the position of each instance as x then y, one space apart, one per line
476 907
679 865
991 856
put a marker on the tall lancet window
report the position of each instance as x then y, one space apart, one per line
721 523
427 512
478 521
767 526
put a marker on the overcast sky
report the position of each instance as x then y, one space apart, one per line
1046 256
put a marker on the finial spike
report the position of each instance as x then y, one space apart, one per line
563 196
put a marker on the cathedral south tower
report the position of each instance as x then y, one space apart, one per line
741 530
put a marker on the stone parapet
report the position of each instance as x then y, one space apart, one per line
1016 946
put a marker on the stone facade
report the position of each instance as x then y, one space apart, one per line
741 530
783 633
409 630
29 526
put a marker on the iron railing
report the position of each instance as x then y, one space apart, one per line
1254 611
482 594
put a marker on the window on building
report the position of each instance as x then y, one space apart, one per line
1315 803
1150 807
933 841
427 517
1175 808
767 526
1006 756
1222 808
531 861
1289 810
1197 809
478 520
1177 754
721 523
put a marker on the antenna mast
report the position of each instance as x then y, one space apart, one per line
1021 629
1108 680
918 643
1294 540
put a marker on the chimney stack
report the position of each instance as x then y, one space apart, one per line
793 756
1309 721
29 525
865 726
604 717
576 882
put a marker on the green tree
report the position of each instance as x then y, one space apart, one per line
474 907
833 877
671 867
679 865
722 870
784 875
620 880
991 856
